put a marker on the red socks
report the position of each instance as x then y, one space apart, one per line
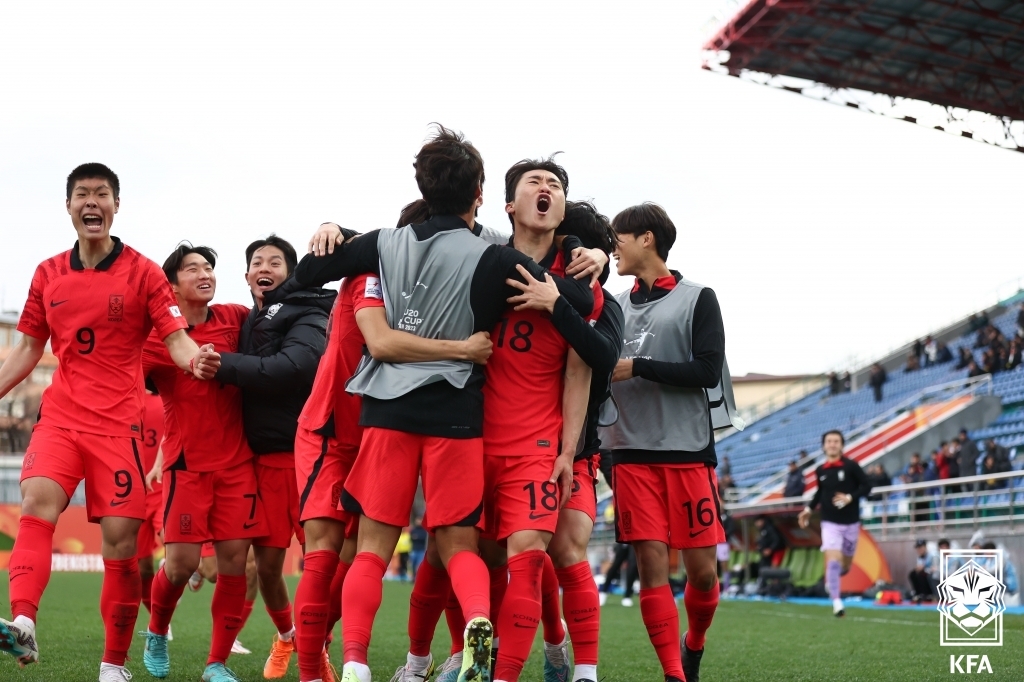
582 611
147 591
468 573
312 610
335 601
361 597
282 620
246 612
456 623
429 597
119 606
551 610
228 601
520 613
165 598
498 586
661 617
30 565
700 610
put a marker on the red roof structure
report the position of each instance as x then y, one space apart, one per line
964 55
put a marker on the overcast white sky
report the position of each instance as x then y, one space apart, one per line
826 232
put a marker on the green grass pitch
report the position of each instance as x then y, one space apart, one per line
749 641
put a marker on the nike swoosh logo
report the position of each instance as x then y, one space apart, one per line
54 304
313 622
693 535
118 504
525 627
580 620
247 526
534 517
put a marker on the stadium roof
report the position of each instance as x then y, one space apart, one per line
966 54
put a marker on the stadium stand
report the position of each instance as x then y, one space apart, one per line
766 446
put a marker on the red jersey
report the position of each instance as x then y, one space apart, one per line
97 321
205 428
344 350
152 431
525 377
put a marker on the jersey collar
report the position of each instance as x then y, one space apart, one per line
838 464
105 264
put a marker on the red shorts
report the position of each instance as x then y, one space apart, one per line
149 531
115 484
321 468
203 506
383 481
584 486
675 504
518 495
280 501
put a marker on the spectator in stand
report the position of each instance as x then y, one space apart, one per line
973 370
1013 355
931 352
1020 320
915 473
988 467
968 455
1009 571
418 537
794 481
724 467
913 363
918 349
847 382
878 477
989 362
943 354
966 358
769 543
835 384
951 454
999 453
803 460
877 379
924 577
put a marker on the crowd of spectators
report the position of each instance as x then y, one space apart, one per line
924 578
998 354
927 352
839 383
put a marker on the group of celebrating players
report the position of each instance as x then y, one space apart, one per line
495 373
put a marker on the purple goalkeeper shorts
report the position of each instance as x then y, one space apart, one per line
840 536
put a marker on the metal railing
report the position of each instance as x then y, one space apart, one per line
950 390
965 503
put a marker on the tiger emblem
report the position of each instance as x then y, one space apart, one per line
971 597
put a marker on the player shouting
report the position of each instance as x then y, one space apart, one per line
841 486
96 303
663 445
210 491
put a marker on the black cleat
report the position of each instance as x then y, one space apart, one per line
669 678
691 660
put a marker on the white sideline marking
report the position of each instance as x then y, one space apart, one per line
888 621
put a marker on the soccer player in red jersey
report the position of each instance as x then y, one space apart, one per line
663 445
96 304
535 404
209 481
599 346
152 525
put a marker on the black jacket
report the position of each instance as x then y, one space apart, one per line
794 484
279 349
846 478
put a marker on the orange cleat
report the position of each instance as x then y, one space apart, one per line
328 673
280 656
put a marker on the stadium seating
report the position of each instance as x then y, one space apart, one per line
764 448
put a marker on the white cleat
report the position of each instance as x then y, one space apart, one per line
403 674
236 648
18 638
837 608
627 602
114 673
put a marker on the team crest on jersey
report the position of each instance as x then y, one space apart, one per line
272 310
29 461
175 311
373 289
115 308
185 524
842 475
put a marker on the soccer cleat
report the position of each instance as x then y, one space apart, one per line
476 656
837 608
280 656
351 674
556 659
154 656
627 602
328 673
691 660
195 582
403 674
237 648
19 641
218 672
114 673
602 598
450 669
170 636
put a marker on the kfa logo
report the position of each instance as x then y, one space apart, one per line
971 597
115 308
969 664
641 336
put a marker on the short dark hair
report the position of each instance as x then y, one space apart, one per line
829 433
593 228
648 217
94 170
173 263
943 541
290 259
449 170
414 213
514 174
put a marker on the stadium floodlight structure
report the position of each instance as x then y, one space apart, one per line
953 65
